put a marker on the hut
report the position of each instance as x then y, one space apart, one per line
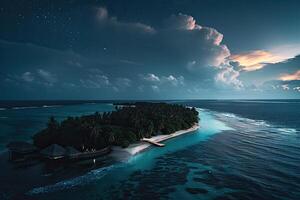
53 152
90 154
71 152
21 147
19 150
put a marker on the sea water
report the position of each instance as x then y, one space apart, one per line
242 151
22 121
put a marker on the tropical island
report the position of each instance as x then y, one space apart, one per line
122 127
130 128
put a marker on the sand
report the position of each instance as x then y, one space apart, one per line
120 153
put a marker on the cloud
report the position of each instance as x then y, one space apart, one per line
199 46
285 87
255 60
104 19
141 88
173 80
286 51
277 72
297 88
130 62
290 77
202 50
180 53
181 21
102 13
186 22
229 76
38 77
74 63
122 84
180 44
69 85
150 77
48 77
163 80
28 76
281 86
95 81
155 88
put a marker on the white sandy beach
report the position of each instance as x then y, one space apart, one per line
120 153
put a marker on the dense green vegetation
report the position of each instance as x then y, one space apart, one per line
125 125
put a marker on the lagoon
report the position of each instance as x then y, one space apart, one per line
237 155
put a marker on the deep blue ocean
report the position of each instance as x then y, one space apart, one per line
245 149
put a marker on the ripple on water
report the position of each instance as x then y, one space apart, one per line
68 184
253 160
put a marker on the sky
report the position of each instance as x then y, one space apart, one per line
159 49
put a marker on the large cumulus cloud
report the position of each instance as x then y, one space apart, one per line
193 43
178 55
179 46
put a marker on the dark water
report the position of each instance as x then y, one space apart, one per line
19 120
244 150
278 112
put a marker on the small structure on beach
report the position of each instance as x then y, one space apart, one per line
54 152
90 154
19 150
71 152
21 147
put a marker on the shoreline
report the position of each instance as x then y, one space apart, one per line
120 153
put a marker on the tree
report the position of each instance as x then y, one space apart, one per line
123 126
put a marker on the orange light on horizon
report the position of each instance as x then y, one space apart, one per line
290 77
255 60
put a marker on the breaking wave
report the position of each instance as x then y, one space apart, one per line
74 182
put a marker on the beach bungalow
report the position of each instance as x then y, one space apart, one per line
71 152
53 152
20 150
90 154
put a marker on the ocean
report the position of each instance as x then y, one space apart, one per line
245 149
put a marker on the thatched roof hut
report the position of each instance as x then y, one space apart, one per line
21 147
54 151
71 151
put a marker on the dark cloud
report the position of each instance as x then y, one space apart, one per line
119 59
180 47
107 21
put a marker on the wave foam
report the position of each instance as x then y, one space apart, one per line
20 108
230 115
287 130
261 124
68 184
52 106
247 120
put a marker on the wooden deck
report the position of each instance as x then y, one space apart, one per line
90 155
153 142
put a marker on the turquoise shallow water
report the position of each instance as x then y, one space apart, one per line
243 150
101 182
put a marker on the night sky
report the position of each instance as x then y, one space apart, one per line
158 49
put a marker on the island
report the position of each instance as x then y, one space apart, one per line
129 128
127 124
